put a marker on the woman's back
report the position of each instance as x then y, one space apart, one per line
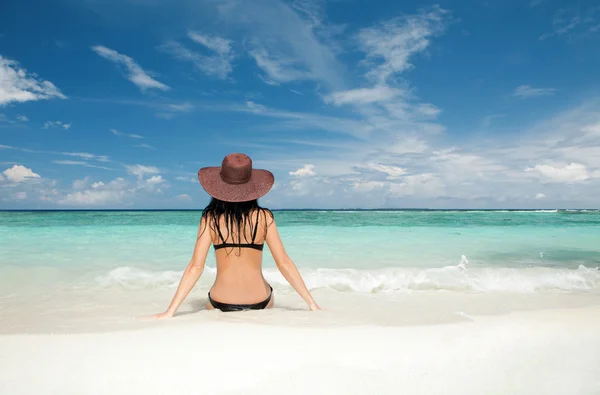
239 259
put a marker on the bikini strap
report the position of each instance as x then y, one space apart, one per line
255 227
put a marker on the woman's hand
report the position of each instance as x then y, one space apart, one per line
166 314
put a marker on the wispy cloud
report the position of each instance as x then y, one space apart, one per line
574 20
187 179
390 45
278 68
57 124
217 64
376 94
140 170
184 197
16 122
146 146
527 91
17 85
135 73
84 155
79 163
535 3
182 107
285 41
121 134
170 110
389 48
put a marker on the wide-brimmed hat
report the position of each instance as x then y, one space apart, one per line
235 180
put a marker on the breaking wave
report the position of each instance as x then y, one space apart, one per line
451 278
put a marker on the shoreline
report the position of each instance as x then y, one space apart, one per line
112 310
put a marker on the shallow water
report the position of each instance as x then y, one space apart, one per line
356 251
64 271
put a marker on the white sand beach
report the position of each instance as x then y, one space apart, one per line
431 343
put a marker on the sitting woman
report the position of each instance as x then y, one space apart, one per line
237 227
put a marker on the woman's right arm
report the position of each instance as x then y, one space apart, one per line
287 267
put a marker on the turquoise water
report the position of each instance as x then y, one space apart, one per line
364 251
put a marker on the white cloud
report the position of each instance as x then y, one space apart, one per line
288 41
155 180
574 20
407 145
22 118
100 194
425 185
169 111
305 171
85 155
572 172
591 130
390 45
20 195
69 162
1 177
140 170
79 163
526 91
147 146
133 136
279 69
540 196
367 186
17 85
183 107
81 184
376 94
217 64
57 124
187 179
392 172
135 73
19 173
389 108
184 197
93 197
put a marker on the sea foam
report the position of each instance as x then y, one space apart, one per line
450 278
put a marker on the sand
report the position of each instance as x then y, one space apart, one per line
468 344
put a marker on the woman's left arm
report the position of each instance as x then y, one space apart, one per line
192 273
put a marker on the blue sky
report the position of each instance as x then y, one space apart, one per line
350 103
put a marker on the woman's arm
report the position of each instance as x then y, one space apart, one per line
193 271
287 267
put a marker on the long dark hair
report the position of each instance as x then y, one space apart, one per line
236 216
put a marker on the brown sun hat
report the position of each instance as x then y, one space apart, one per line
235 180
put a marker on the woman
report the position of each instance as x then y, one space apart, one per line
237 227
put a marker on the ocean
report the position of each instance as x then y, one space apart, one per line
59 261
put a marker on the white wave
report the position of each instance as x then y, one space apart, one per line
452 278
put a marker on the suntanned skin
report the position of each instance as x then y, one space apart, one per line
239 272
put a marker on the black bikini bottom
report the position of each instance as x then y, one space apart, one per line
240 307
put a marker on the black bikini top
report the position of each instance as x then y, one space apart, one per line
240 245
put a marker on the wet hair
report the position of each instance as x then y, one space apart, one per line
236 216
